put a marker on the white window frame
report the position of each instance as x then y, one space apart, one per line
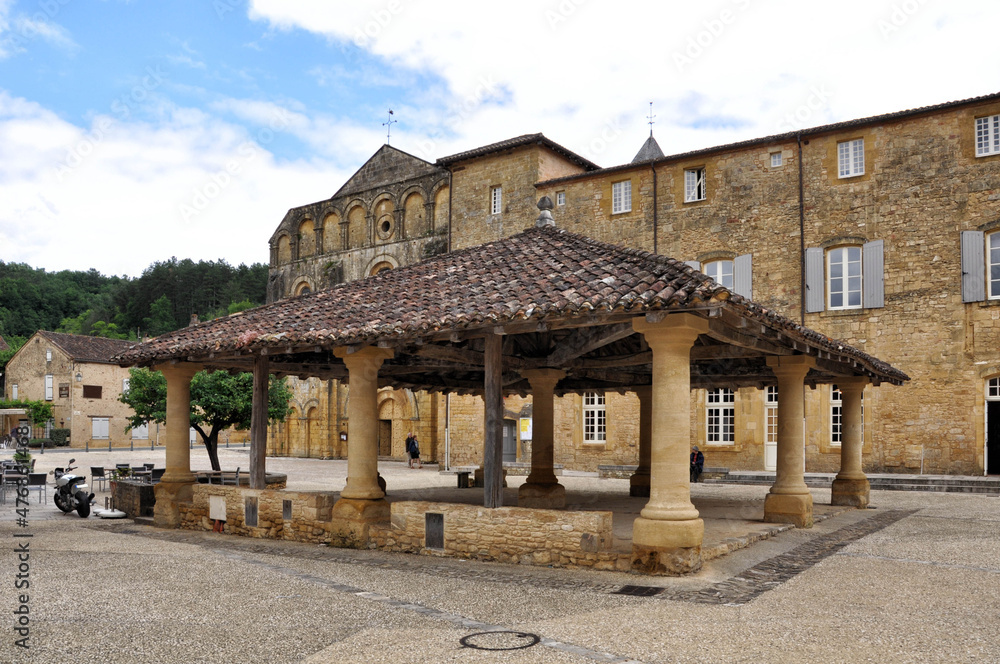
993 266
621 197
49 379
496 200
836 417
987 135
694 185
141 432
48 354
595 422
993 389
851 158
13 392
842 286
720 417
776 160
125 384
771 415
560 198
721 271
100 432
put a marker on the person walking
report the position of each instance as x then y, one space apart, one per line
413 450
697 463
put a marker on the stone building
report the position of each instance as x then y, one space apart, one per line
76 375
883 232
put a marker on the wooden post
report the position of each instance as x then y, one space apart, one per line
493 423
258 422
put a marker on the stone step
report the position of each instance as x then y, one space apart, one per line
939 483
143 520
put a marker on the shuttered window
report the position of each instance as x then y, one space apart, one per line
721 271
140 432
848 277
993 264
973 266
99 428
843 269
48 387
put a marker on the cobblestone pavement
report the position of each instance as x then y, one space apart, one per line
915 580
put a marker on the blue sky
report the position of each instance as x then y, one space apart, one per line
134 130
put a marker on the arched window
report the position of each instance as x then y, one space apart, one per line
380 267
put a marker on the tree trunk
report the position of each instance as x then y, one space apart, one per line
211 441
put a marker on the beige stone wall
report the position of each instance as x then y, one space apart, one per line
555 538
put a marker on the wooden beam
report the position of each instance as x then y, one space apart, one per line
493 423
631 360
721 332
585 340
463 356
258 423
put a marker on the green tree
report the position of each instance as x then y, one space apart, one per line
161 317
219 400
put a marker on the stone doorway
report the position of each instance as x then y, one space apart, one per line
993 437
385 438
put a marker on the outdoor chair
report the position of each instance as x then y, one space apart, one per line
36 482
97 475
148 466
156 474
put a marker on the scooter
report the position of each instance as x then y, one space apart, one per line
72 492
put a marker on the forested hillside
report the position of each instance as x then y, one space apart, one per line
160 300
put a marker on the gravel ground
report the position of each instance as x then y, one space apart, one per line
924 588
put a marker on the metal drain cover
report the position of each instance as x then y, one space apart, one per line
639 591
500 640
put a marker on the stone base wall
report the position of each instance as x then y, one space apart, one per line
507 534
310 512
133 498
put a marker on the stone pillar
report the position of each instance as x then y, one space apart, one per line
789 500
175 486
542 490
851 486
667 537
362 502
639 482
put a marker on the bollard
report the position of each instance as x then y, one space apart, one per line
131 445
87 445
109 443
43 447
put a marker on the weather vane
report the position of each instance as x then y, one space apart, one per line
650 117
388 125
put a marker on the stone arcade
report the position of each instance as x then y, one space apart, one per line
545 312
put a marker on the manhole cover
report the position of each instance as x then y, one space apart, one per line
500 640
639 591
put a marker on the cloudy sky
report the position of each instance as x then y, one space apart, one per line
136 130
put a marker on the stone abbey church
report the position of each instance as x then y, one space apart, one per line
883 232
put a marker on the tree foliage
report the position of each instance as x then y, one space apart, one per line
219 400
161 300
39 412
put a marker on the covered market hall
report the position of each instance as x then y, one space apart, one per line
545 312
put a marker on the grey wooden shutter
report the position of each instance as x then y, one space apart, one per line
815 291
743 276
695 264
872 275
973 266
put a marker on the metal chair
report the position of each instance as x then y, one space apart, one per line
36 482
156 474
97 475
148 466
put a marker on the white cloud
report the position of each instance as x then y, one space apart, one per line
572 67
119 194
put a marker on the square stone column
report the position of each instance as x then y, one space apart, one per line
541 489
789 500
851 486
362 501
639 481
667 537
175 485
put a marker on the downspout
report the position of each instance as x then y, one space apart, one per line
447 396
802 238
652 167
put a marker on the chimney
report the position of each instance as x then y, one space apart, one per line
194 320
545 216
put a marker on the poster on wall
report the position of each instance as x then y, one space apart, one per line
525 428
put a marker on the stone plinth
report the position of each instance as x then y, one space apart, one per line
849 492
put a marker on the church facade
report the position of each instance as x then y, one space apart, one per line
883 232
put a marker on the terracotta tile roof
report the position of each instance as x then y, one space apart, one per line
88 349
518 141
541 274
